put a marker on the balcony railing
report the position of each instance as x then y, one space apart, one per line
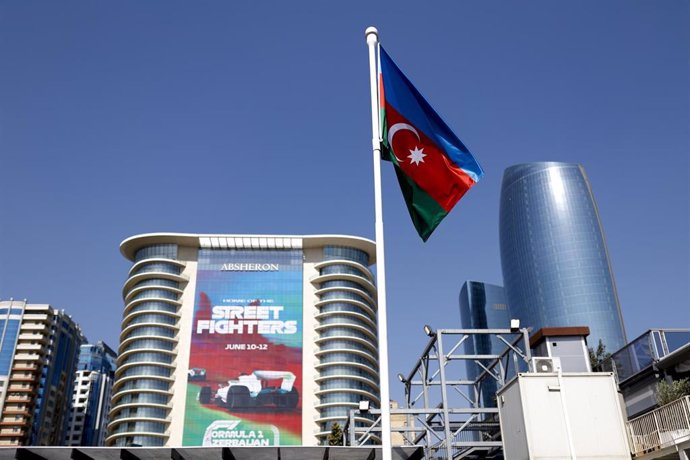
663 427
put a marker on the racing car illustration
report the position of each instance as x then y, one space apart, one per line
250 391
196 373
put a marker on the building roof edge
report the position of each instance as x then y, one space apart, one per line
129 246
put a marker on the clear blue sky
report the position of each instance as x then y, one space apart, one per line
119 118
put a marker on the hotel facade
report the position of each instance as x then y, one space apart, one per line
244 340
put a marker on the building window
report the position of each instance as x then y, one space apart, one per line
346 253
162 251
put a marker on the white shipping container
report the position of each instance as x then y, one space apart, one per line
576 415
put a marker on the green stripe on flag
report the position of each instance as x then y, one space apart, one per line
386 150
426 213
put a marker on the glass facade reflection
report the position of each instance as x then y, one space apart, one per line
556 267
164 251
93 381
483 306
646 350
9 328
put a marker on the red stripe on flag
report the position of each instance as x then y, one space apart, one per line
424 162
381 96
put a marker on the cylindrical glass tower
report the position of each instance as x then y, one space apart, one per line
556 267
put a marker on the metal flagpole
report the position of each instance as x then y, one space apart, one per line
372 36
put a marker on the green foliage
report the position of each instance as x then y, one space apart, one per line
598 357
669 392
335 438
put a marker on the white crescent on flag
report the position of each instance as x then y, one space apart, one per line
393 131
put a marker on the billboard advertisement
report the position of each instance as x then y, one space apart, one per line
244 383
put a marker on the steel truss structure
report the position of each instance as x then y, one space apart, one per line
452 422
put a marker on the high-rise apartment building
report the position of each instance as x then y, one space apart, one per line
91 397
483 306
38 355
244 340
556 266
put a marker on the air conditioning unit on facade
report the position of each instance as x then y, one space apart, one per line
545 365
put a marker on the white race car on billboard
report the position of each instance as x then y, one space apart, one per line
250 391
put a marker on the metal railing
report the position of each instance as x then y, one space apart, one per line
663 427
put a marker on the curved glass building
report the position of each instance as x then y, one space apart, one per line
244 340
556 267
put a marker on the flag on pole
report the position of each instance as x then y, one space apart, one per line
433 166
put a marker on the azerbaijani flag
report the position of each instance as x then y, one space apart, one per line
433 166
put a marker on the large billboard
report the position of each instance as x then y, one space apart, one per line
245 366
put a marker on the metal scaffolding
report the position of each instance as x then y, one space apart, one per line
453 422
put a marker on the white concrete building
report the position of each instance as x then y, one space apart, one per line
238 340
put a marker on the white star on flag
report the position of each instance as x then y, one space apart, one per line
417 156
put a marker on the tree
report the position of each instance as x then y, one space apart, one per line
669 392
335 438
598 357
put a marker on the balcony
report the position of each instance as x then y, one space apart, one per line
23 346
33 327
664 429
24 378
18 399
27 356
35 316
10 411
23 368
32 335
16 423
21 389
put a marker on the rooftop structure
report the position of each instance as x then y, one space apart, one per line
653 356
